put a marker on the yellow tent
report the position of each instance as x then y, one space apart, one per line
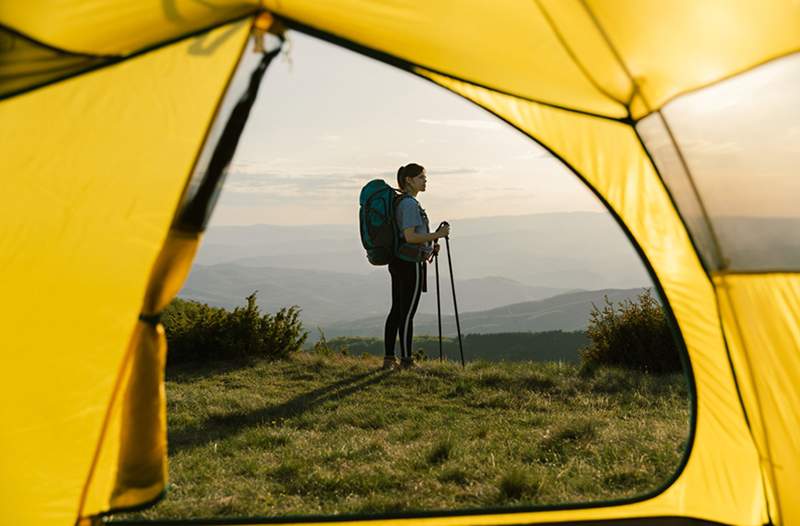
106 112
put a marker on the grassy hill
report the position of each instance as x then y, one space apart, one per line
317 435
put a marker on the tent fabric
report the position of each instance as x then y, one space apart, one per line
26 63
762 323
101 158
665 48
135 452
114 28
93 170
736 145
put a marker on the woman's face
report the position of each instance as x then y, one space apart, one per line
417 183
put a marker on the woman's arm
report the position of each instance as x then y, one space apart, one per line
413 237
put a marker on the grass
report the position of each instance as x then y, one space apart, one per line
334 435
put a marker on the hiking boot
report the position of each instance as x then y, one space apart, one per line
389 363
407 363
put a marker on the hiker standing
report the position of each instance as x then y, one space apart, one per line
408 270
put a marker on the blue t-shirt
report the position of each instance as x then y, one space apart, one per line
410 213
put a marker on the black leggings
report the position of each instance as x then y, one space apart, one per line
408 284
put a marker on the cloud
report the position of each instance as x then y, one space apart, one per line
540 154
397 155
250 184
474 124
710 147
452 171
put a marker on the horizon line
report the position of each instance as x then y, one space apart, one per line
455 219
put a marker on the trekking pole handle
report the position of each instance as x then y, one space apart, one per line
443 223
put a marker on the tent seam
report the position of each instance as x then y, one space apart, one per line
741 401
616 54
126 361
757 397
742 71
57 49
574 57
719 256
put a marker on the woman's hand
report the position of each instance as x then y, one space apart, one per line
443 231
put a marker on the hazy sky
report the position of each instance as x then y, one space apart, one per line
328 120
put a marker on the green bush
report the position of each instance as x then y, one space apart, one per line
197 332
634 335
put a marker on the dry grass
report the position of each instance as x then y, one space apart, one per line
333 435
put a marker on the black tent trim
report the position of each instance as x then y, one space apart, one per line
117 59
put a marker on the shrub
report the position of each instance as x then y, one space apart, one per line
634 335
198 332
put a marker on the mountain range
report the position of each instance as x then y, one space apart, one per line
531 272
566 251
567 312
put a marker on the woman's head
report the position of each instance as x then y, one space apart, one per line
411 178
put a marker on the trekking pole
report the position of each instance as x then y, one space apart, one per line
455 304
438 307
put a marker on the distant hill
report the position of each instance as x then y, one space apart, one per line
326 297
566 251
566 312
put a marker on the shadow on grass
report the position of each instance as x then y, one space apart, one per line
187 372
219 427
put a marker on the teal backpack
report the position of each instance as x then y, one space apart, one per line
377 221
380 235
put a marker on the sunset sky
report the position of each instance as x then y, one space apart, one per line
329 120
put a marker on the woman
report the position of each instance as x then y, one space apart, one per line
409 270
